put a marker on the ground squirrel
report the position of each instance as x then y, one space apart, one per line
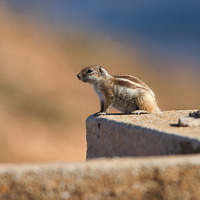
125 93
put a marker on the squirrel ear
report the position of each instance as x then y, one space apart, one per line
100 69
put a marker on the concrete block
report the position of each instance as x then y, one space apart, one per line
124 135
149 178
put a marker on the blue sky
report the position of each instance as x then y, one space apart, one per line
168 26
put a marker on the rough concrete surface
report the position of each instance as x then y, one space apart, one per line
140 135
192 120
188 121
195 114
166 178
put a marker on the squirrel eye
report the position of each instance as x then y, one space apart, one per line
89 71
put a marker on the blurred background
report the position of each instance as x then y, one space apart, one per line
45 43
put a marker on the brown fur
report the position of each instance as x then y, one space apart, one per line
124 84
144 102
133 79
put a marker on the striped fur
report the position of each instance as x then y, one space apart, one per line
133 79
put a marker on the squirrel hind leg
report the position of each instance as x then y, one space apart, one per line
146 102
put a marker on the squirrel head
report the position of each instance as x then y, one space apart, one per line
92 74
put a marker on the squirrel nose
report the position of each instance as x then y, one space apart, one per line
78 76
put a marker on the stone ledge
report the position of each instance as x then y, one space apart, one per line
147 178
140 135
